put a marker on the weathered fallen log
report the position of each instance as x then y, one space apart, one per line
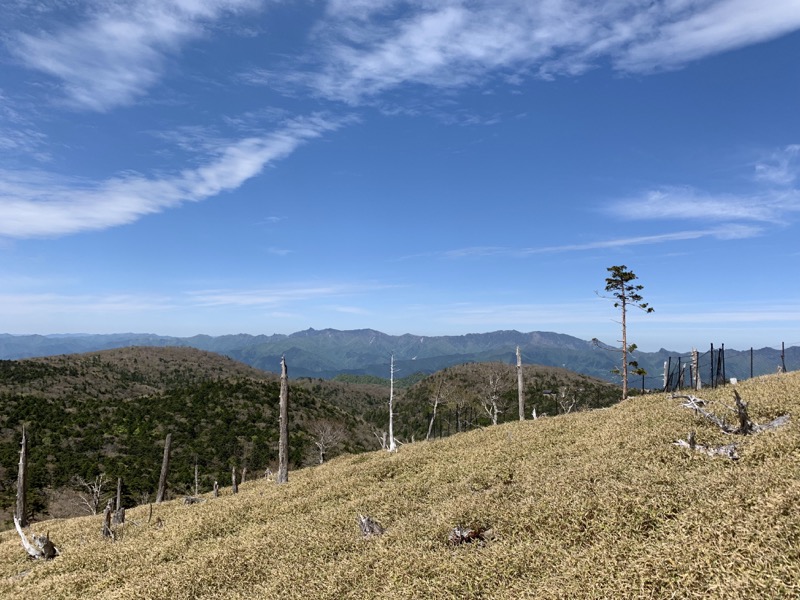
41 547
728 450
193 500
744 425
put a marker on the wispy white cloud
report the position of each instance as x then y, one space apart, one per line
115 54
36 204
367 48
725 232
21 304
282 295
686 203
780 168
684 31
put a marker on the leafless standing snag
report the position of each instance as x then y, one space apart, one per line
162 480
283 441
438 399
21 511
107 531
491 400
392 444
567 399
382 438
520 387
326 435
41 547
90 501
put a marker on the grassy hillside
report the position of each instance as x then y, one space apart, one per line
595 504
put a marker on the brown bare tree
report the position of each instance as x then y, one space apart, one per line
21 512
491 396
162 480
91 496
327 435
283 442
520 387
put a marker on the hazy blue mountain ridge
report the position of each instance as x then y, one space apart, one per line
329 352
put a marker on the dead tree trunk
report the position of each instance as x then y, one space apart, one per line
437 400
520 388
107 532
283 442
119 493
196 478
162 480
234 483
21 512
698 384
216 489
392 443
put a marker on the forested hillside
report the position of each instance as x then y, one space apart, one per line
108 413
481 394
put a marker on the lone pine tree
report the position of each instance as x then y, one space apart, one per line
626 294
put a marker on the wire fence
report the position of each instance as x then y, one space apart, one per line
715 367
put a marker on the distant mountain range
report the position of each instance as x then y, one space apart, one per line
327 353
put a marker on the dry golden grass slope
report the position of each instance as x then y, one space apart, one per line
588 505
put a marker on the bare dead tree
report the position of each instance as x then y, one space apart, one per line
21 512
438 399
382 437
119 493
697 383
234 483
196 477
520 387
392 444
567 399
107 532
91 497
162 480
491 398
216 489
326 435
283 442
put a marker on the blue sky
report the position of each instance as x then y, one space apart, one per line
435 168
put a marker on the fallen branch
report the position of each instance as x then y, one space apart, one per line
44 548
728 450
193 500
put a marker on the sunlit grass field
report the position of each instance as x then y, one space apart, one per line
589 505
